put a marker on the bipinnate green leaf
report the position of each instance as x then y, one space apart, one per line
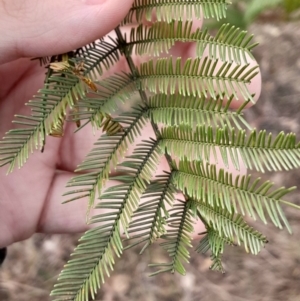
188 102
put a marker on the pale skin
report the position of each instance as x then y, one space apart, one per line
30 198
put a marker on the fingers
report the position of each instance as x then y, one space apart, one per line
39 28
22 197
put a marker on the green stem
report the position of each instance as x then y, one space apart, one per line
123 48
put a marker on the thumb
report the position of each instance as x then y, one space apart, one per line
32 28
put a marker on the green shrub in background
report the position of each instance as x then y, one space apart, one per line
291 5
255 7
243 12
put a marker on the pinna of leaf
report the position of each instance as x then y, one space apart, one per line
108 124
187 102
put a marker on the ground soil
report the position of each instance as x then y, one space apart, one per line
32 266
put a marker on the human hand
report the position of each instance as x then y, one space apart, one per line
30 198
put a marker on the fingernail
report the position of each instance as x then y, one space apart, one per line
93 2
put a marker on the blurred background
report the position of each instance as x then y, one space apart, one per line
32 266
